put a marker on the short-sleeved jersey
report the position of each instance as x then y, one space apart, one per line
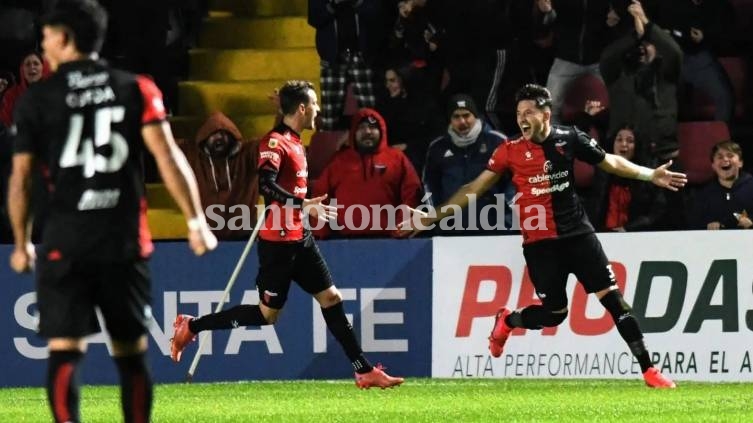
83 125
281 149
543 175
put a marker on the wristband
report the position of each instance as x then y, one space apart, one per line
194 224
645 174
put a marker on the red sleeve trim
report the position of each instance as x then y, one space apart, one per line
154 108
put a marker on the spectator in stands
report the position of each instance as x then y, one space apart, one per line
620 204
593 119
697 25
414 45
642 70
531 52
7 81
140 28
349 35
225 168
727 201
368 173
33 69
475 42
19 31
457 157
411 121
581 30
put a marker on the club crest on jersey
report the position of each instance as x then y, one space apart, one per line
273 143
548 166
529 156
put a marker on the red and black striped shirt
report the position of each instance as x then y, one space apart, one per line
282 151
548 205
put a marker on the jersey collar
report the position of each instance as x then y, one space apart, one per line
281 128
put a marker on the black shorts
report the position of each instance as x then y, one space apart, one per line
68 293
551 262
283 262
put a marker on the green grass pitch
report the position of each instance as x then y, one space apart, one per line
418 400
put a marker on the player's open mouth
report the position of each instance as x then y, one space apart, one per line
727 167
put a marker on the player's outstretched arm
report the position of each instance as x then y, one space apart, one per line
180 182
461 197
661 176
19 189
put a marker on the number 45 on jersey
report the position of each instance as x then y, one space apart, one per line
80 152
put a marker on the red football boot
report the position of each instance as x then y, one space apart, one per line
182 336
377 378
500 332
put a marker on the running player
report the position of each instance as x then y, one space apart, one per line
541 163
287 251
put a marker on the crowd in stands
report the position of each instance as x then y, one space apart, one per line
147 37
433 83
635 75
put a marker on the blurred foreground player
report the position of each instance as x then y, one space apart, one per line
87 125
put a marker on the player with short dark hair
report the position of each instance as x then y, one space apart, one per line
292 94
541 163
287 251
87 126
